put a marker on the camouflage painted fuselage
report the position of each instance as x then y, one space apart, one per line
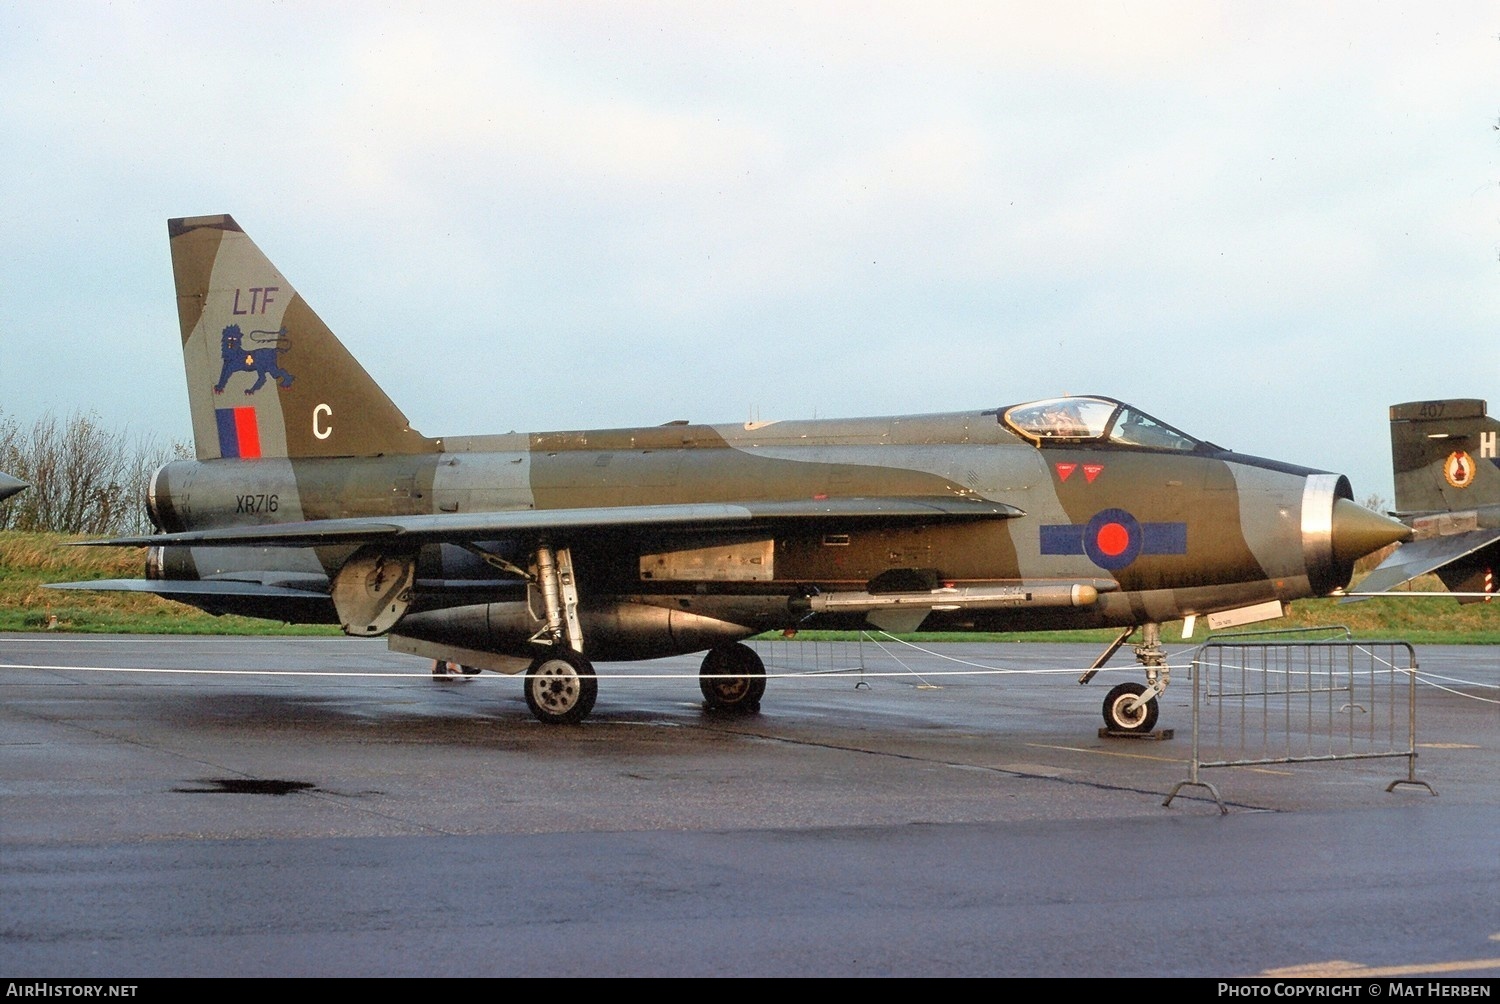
313 499
1215 531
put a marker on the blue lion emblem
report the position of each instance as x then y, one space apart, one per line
263 361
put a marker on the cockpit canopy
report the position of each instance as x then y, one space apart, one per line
1093 420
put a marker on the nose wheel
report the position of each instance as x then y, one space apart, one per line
1124 711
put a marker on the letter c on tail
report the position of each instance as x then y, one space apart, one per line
319 429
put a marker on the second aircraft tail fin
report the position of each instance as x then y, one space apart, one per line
1443 455
266 377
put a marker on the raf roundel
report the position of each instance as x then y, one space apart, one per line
1112 539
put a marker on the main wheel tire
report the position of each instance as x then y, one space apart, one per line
561 687
1117 714
733 678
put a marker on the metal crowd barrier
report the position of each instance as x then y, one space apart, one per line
1280 702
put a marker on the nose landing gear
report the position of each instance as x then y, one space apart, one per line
1130 709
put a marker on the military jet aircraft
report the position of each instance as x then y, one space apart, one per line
1447 473
10 486
312 499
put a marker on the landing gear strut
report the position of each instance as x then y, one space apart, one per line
560 683
1131 708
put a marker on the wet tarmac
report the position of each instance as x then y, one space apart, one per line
259 807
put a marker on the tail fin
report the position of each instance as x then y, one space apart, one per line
266 378
1444 456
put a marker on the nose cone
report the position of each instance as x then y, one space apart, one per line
1357 532
10 486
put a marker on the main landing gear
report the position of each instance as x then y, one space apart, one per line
733 679
561 687
560 684
1130 708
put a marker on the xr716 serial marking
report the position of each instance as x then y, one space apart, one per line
544 552
255 503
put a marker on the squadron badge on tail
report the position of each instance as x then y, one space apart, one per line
263 358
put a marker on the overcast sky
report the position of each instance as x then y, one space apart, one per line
1263 223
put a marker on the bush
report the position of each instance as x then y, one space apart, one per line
85 478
